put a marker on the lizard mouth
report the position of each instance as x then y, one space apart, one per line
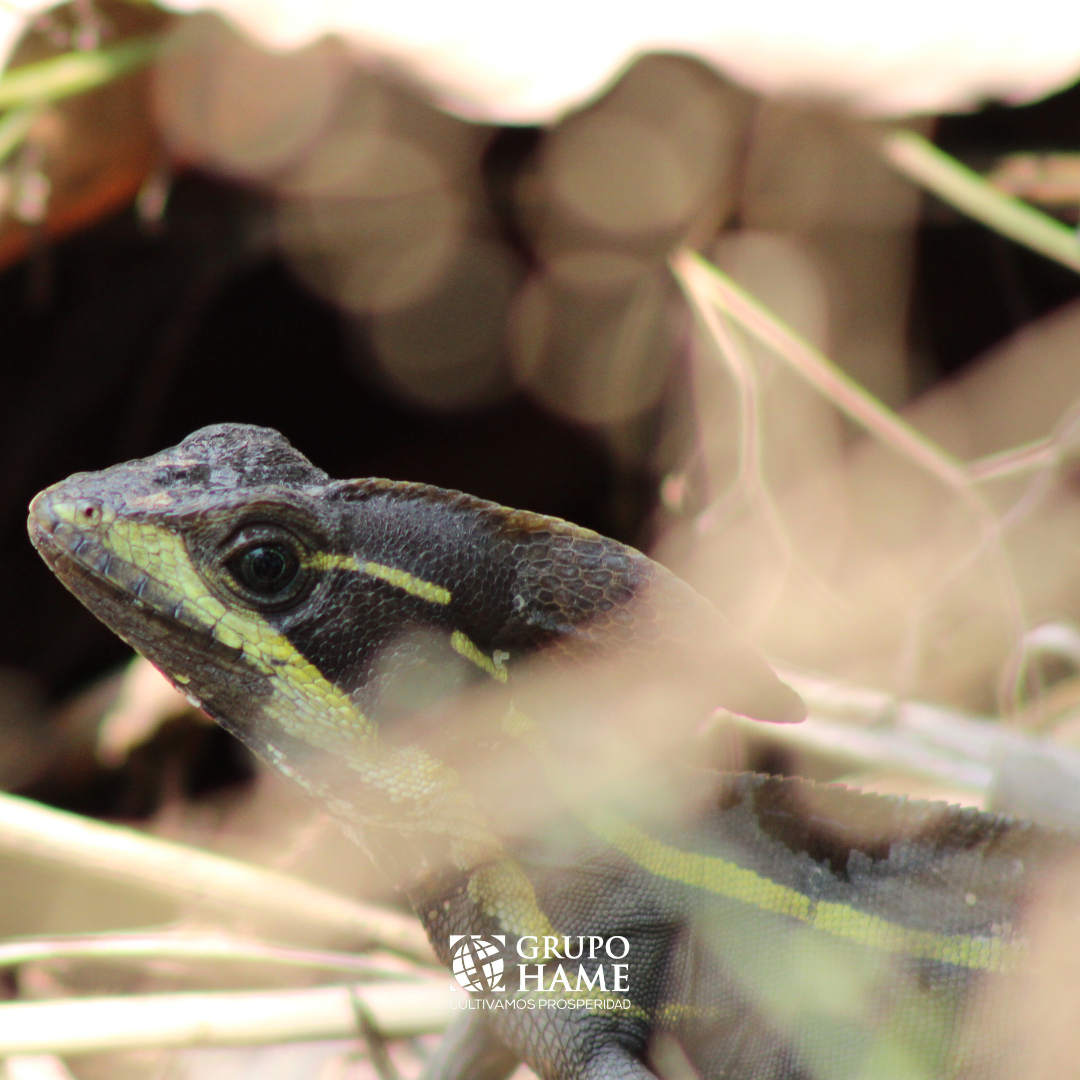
120 594
149 615
84 563
73 553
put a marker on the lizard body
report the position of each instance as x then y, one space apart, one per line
767 928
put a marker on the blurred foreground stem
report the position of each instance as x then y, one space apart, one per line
187 945
202 879
222 1018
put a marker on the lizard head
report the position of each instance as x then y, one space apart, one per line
231 563
200 557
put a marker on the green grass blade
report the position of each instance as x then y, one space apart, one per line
705 283
14 127
73 72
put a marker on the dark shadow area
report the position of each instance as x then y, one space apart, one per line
973 288
139 339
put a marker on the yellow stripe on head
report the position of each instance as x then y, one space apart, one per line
302 700
400 579
414 586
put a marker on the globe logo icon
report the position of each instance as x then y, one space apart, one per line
476 962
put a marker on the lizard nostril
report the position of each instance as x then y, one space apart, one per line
88 512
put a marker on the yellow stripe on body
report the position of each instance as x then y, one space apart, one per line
671 1014
727 879
503 891
464 646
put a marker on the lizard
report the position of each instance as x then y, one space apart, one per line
390 645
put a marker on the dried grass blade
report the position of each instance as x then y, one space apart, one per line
197 876
221 1018
919 160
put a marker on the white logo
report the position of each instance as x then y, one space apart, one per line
476 962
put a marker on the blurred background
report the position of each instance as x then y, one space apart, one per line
447 259
312 238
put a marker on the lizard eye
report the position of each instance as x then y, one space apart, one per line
265 566
267 569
